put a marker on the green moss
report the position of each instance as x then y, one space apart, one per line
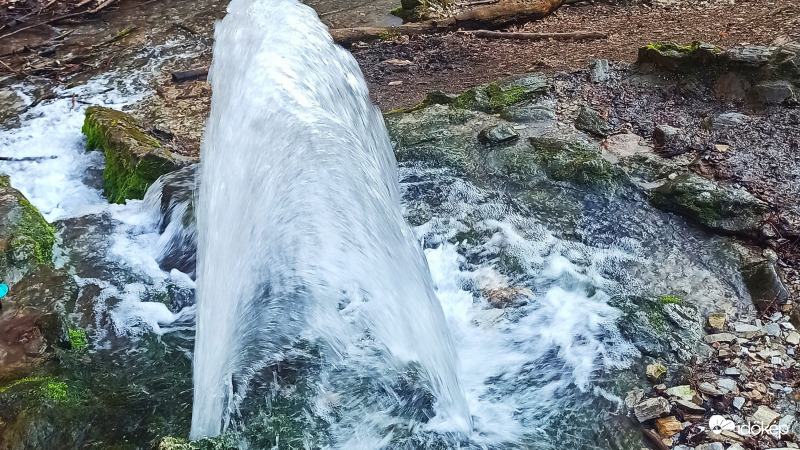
399 12
77 339
499 98
565 161
55 390
667 299
669 46
26 380
5 181
387 36
131 164
33 229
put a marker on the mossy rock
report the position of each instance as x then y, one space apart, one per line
565 160
134 160
679 58
497 96
26 239
718 206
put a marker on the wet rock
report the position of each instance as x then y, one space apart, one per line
751 56
26 239
655 372
718 206
598 70
498 134
624 146
134 160
773 92
764 415
498 96
529 112
633 398
11 105
32 324
668 426
592 122
565 160
175 195
651 409
648 167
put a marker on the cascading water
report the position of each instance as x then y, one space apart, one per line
300 230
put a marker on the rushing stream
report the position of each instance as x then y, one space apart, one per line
499 318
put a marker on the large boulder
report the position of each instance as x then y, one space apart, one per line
718 206
134 160
26 239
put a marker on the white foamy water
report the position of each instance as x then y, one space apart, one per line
63 184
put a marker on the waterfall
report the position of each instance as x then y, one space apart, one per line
300 231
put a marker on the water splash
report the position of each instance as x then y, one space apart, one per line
300 230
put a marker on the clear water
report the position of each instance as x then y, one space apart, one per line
300 231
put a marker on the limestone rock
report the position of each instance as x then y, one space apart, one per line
655 372
651 409
718 206
668 426
716 321
134 160
764 415
498 134
719 337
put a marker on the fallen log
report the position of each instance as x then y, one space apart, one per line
498 15
576 35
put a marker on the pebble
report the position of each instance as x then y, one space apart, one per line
738 402
746 330
719 337
793 338
708 388
733 372
651 408
726 385
772 329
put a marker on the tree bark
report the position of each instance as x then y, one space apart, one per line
576 35
498 15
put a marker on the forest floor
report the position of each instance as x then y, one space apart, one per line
457 61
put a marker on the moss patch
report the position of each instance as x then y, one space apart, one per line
134 160
565 161
33 229
77 339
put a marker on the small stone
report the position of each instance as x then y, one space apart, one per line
746 330
592 122
598 70
635 396
660 388
764 416
772 329
498 134
668 426
729 120
719 337
710 446
726 385
738 402
690 406
774 92
793 338
708 388
651 408
656 372
775 361
670 140
395 83
733 372
716 321
681 392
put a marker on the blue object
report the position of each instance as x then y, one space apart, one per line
3 290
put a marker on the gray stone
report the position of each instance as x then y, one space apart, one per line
772 329
793 338
719 206
690 406
670 140
633 398
752 56
651 408
592 122
765 416
708 388
773 92
738 402
498 134
719 337
729 120
747 330
598 70
732 372
726 385
731 87
764 285
710 446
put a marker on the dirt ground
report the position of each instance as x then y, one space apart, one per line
456 62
